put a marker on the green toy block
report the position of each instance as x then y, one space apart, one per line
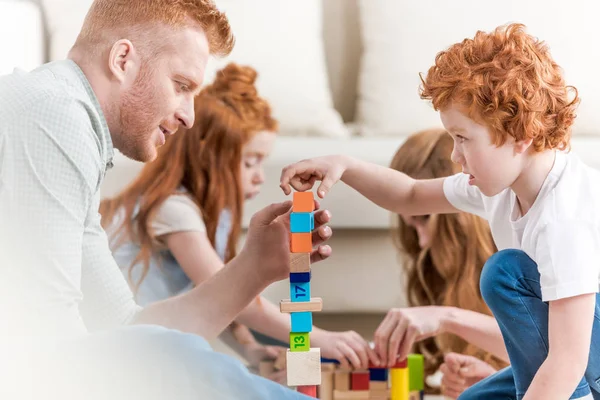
299 341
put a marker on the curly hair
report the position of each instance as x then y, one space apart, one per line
508 81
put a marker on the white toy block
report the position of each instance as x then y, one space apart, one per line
304 368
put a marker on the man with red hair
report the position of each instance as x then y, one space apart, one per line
129 81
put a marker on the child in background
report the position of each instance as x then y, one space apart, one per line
443 255
504 102
179 221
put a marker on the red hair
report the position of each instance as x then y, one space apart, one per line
205 160
136 19
508 81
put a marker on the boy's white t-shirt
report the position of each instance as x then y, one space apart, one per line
561 231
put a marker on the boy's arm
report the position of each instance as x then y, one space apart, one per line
384 186
569 330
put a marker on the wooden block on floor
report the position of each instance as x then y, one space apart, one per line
314 305
301 222
304 368
351 395
378 374
378 385
359 380
303 202
300 277
302 322
308 390
299 341
299 291
326 388
415 396
301 242
328 366
379 393
299 262
341 380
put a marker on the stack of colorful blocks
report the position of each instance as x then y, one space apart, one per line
303 362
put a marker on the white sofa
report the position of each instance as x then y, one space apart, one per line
349 85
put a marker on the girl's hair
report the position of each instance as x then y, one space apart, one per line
205 160
447 271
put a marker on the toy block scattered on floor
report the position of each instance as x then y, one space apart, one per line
300 277
301 321
299 341
359 380
301 242
303 202
299 262
304 368
326 388
416 376
299 291
378 374
313 305
308 390
342 380
302 222
350 395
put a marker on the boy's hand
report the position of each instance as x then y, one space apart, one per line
461 372
303 174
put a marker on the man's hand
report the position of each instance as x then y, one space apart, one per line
461 372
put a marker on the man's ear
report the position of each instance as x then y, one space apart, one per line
123 60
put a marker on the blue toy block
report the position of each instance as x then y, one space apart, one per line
299 277
378 374
301 321
302 222
299 291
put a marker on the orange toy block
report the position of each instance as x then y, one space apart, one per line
301 242
303 202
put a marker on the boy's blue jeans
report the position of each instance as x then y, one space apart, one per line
146 363
510 285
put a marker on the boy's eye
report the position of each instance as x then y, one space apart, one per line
183 87
461 138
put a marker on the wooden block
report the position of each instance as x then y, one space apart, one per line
299 341
304 368
383 393
308 390
303 202
301 242
399 384
359 380
400 364
326 388
300 277
378 385
314 305
302 322
299 291
416 372
328 366
351 395
299 262
414 395
378 374
341 380
301 222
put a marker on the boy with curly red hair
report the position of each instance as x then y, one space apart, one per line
504 101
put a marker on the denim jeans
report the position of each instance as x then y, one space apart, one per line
149 363
510 285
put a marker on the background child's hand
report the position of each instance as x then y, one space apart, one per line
349 348
461 372
255 353
303 174
401 327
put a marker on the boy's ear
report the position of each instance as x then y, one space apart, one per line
522 145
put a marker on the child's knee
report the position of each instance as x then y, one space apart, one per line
500 272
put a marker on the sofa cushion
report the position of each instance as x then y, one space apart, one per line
402 38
